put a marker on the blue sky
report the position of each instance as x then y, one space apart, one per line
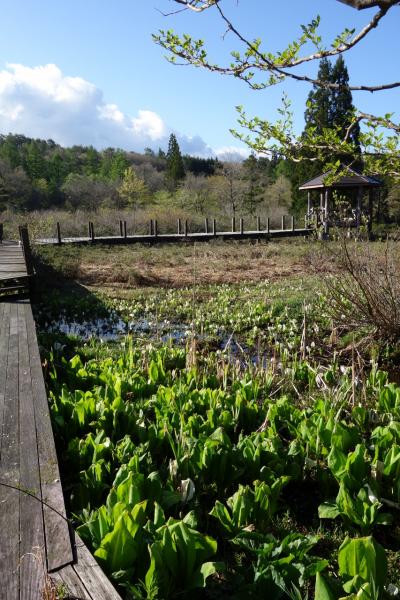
111 86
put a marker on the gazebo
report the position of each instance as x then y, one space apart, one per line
323 200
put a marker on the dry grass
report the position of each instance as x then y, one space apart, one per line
179 265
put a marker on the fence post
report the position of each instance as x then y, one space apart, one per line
89 229
214 227
179 227
185 230
92 231
206 225
155 225
267 228
283 223
26 247
241 226
121 230
233 224
292 223
125 234
58 234
151 227
258 223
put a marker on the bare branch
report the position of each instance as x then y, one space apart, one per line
197 5
363 4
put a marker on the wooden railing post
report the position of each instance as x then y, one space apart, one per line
185 228
125 234
26 247
283 223
89 229
59 240
121 228
258 223
92 231
179 227
214 227
233 224
206 225
292 223
155 228
267 227
241 226
151 230
1 232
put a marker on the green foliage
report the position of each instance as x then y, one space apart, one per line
187 477
175 167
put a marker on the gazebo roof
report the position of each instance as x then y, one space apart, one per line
351 179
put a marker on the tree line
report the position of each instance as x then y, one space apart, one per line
40 174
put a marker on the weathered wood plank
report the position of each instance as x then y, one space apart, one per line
9 466
32 544
96 582
57 537
73 586
4 328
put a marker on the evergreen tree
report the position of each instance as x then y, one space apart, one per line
175 168
119 164
343 109
34 162
319 109
92 161
327 108
253 194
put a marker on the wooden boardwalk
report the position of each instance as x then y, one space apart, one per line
173 238
35 538
14 276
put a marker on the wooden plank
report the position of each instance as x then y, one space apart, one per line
89 571
32 546
4 319
9 466
57 537
73 586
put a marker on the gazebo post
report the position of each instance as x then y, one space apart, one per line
321 207
326 214
308 207
358 207
370 210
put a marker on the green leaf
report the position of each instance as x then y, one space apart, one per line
363 557
119 548
328 510
206 570
323 590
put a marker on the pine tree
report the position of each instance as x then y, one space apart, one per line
327 108
34 162
343 109
253 195
175 168
318 113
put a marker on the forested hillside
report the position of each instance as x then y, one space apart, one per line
40 174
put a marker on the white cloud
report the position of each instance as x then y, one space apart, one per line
232 153
42 102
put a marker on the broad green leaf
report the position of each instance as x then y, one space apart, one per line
328 510
363 557
323 590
